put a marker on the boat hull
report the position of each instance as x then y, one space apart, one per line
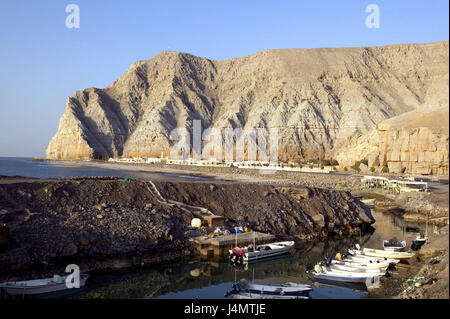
278 290
266 254
419 242
362 264
245 295
276 250
363 280
400 247
339 268
360 255
387 254
39 289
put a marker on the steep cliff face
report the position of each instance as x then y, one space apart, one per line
315 97
415 142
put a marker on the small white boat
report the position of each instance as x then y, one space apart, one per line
343 268
393 245
358 255
246 295
364 264
261 251
322 273
386 253
39 286
285 289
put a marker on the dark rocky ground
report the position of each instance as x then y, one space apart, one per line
106 222
54 221
305 213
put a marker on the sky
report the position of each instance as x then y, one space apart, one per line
42 62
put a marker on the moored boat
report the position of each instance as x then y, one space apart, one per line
364 264
337 266
419 240
284 289
394 245
322 273
253 252
246 295
343 268
356 255
386 253
39 286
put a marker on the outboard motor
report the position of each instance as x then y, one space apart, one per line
317 269
243 284
235 290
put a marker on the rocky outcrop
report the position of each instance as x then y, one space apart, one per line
416 142
315 97
97 218
303 212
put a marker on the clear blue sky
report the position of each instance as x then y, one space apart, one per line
42 62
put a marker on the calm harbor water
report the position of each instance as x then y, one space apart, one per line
21 166
207 279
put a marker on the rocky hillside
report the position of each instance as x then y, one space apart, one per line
315 97
415 142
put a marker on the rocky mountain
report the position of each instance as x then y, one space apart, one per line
315 97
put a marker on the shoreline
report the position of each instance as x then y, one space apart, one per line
413 207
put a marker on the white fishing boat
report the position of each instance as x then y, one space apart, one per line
364 264
254 252
39 286
358 255
343 268
323 273
386 253
394 245
284 289
246 295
